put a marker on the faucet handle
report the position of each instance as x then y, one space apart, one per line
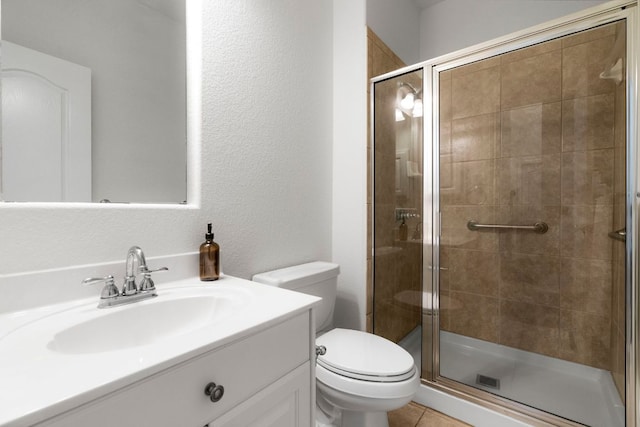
147 284
110 289
144 270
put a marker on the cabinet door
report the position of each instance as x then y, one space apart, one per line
285 403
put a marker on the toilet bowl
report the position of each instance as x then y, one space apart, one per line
360 376
365 376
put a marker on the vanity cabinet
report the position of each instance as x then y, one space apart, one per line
267 379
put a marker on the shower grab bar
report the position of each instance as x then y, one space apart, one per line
538 227
619 234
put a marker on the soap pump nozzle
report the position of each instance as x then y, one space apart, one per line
209 236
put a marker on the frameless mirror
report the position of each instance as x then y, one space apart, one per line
93 101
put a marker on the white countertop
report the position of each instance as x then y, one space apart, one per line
38 383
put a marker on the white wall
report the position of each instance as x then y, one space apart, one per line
136 55
266 157
349 160
451 25
397 22
267 149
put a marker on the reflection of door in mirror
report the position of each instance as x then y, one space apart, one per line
46 122
136 51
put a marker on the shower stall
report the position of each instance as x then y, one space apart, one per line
504 220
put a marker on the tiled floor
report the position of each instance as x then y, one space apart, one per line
414 415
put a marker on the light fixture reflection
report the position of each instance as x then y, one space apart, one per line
417 108
408 101
399 115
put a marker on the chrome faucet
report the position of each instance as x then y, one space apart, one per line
135 264
134 256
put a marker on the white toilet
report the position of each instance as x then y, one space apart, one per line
361 376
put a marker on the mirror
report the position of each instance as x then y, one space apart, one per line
93 101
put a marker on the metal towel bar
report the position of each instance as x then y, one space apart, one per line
538 227
619 234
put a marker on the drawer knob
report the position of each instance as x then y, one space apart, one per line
215 392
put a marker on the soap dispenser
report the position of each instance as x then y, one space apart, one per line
403 231
209 258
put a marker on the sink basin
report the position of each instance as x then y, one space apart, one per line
143 323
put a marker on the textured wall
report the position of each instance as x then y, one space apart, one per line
349 162
266 157
267 130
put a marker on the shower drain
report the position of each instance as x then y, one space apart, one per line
488 381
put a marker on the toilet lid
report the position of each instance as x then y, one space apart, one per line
365 356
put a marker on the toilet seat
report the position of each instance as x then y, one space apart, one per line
363 356
367 392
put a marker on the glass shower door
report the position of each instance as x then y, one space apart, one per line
532 198
397 210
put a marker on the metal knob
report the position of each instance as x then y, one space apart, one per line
215 392
147 284
321 350
110 290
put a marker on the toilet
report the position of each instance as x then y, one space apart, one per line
361 376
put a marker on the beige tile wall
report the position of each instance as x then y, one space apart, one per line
619 196
380 60
530 136
394 266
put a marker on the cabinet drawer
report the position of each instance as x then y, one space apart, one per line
176 397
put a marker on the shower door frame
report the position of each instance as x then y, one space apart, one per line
627 10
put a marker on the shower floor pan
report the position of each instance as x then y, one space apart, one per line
577 392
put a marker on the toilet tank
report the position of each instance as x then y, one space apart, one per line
315 278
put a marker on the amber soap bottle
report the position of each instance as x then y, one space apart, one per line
209 258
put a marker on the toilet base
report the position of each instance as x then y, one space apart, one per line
330 415
336 408
364 419
351 419
327 415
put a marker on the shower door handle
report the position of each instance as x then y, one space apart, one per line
619 234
